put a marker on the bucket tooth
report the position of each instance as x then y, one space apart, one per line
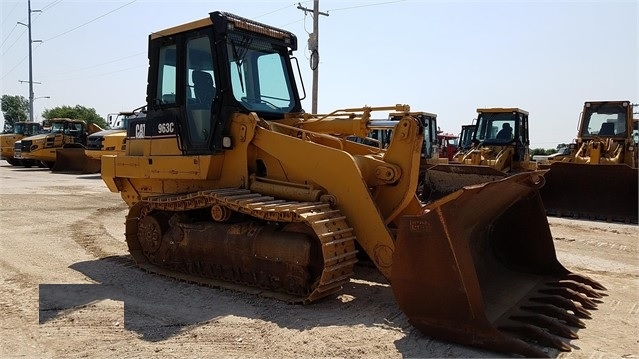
576 286
551 324
562 302
572 295
585 280
559 313
530 332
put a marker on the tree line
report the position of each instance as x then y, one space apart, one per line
16 108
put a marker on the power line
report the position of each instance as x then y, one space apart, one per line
52 4
88 22
293 22
274 11
19 63
8 36
104 74
367 5
13 68
13 43
19 36
101 64
9 14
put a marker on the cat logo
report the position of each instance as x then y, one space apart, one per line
139 130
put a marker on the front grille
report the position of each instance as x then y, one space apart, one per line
17 150
26 145
94 142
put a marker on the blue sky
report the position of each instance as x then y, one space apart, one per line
444 57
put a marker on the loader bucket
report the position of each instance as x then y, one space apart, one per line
607 192
478 267
73 159
441 180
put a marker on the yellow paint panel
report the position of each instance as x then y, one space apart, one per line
181 28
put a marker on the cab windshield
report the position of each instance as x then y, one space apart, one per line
466 137
58 127
19 128
495 127
121 122
260 76
605 120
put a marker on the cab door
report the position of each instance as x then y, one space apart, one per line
182 90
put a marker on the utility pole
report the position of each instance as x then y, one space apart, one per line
30 60
313 46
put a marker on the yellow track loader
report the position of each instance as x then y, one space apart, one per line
21 130
430 153
62 149
231 184
500 148
465 142
111 141
598 180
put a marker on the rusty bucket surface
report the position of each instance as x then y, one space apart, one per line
479 267
441 180
605 192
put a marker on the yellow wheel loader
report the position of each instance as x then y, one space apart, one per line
61 149
21 130
598 179
500 148
111 141
231 184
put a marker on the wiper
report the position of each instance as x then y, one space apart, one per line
238 58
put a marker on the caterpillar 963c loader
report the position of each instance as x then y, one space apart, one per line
500 149
598 179
231 184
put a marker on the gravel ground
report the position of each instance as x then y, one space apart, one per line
69 289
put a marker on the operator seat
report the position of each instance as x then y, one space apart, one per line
199 113
607 129
203 88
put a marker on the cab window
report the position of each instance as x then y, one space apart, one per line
166 75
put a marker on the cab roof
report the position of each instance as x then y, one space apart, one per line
183 27
64 119
501 110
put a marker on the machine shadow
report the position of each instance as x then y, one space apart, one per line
29 169
88 176
159 308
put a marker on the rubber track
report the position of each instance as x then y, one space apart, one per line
337 239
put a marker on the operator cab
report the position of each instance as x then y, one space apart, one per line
26 128
605 119
204 71
120 120
429 121
466 137
503 127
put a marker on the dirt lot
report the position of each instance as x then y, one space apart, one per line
69 290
